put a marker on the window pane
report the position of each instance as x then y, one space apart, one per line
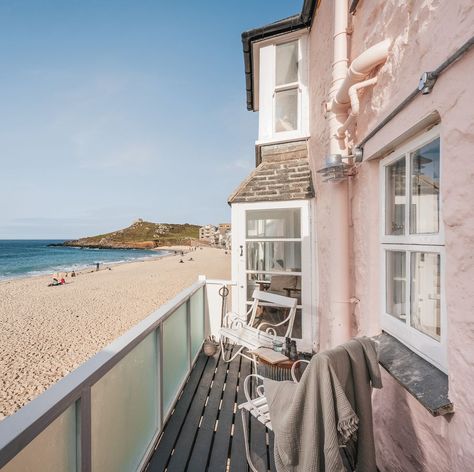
275 315
395 198
274 256
286 284
286 110
396 284
425 293
278 223
286 63
424 214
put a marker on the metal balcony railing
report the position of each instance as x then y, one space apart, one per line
107 414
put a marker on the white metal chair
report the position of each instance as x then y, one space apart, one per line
258 407
244 333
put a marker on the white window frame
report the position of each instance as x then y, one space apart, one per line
288 86
239 257
427 347
265 62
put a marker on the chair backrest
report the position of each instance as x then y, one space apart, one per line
274 300
279 300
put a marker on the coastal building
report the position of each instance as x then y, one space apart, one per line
208 233
219 235
359 207
384 121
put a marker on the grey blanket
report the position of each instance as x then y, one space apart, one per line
327 412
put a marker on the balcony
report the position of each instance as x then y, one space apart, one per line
149 401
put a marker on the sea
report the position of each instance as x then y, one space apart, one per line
25 258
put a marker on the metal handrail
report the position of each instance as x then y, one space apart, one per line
19 429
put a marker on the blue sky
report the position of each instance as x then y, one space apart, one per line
116 110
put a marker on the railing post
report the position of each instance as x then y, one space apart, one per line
160 369
86 430
158 377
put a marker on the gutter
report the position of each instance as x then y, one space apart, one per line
287 25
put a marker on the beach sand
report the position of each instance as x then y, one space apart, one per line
46 332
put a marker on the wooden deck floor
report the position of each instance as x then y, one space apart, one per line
205 431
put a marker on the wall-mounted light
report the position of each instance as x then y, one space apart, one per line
335 169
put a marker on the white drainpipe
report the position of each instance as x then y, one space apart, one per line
339 316
359 69
354 97
343 78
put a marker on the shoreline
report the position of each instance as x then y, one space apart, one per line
85 268
49 331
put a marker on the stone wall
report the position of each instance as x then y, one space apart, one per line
283 174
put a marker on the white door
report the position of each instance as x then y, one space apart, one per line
271 250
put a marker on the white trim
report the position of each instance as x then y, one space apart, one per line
427 347
265 88
240 273
399 153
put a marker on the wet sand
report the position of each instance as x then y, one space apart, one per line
45 332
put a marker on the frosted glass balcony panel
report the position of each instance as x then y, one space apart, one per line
197 321
125 410
53 450
175 355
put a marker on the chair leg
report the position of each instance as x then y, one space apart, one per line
231 358
245 426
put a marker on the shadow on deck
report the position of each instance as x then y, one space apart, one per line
205 432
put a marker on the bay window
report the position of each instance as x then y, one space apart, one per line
413 247
281 96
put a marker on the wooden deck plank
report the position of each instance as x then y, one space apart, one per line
204 439
173 426
222 438
191 441
184 444
238 460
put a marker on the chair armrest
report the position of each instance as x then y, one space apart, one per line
293 368
232 320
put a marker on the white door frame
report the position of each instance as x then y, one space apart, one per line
307 262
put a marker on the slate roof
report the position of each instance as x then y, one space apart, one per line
283 174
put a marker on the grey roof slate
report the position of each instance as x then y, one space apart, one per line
283 174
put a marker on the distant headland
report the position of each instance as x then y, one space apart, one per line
140 235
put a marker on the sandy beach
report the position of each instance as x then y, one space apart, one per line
45 332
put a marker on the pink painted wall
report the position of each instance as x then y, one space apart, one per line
423 33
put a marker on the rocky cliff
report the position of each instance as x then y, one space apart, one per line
141 235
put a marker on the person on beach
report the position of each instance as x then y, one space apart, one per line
73 273
97 265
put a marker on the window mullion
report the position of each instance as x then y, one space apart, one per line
408 288
407 194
